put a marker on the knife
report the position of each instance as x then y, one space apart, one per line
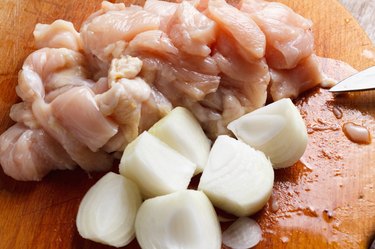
362 81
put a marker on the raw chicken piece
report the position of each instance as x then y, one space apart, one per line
126 67
156 43
250 91
240 25
217 110
204 65
243 88
289 36
116 143
130 102
7 143
127 109
80 153
128 91
252 6
177 83
191 31
59 76
230 102
77 111
152 43
179 78
200 5
104 8
70 76
183 87
36 79
100 86
153 109
290 83
22 113
29 154
209 118
50 150
59 34
103 30
249 79
163 9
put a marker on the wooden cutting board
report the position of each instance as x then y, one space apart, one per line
325 201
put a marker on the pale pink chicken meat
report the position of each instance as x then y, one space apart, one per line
205 65
59 34
163 9
80 153
77 111
240 25
130 102
291 83
178 83
152 43
63 71
87 94
22 113
156 107
122 103
29 154
243 87
217 110
57 72
36 79
249 78
157 44
191 31
113 26
289 36
192 77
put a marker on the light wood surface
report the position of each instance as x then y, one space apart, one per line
363 11
325 201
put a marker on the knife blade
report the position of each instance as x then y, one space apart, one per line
362 81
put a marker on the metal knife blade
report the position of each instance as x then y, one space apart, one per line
362 81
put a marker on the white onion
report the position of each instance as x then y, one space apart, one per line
181 131
156 168
276 129
107 211
184 219
244 233
237 178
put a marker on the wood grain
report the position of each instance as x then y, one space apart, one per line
363 11
325 201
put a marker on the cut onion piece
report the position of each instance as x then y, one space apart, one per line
244 233
155 167
181 130
107 211
184 219
276 129
237 178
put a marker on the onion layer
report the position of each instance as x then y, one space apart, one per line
276 129
237 178
107 211
181 131
244 233
184 219
156 168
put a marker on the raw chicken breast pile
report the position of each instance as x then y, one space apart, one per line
87 94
